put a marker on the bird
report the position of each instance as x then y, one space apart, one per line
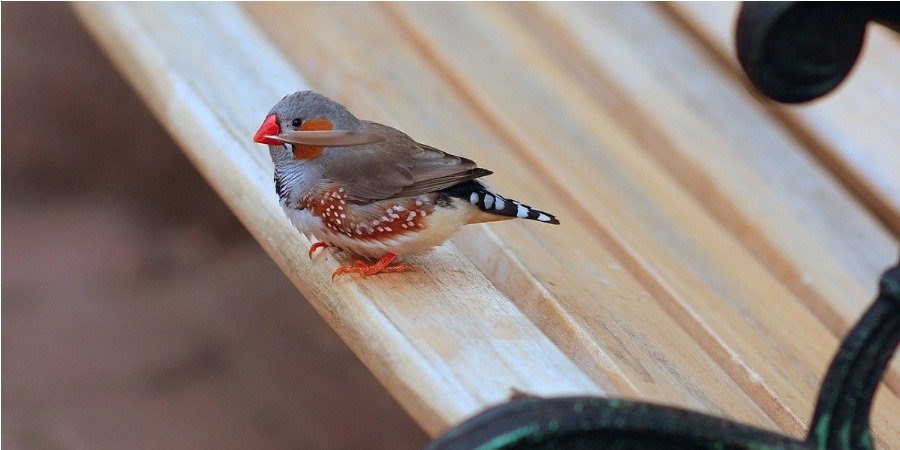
371 189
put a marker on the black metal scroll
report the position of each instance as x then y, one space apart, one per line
841 419
798 51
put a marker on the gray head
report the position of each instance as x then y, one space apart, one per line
309 106
304 111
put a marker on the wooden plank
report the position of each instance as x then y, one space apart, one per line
384 58
852 130
442 339
624 357
607 290
809 232
487 82
859 153
797 220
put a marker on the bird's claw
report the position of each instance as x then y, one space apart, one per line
381 266
316 246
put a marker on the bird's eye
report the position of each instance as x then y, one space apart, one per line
296 123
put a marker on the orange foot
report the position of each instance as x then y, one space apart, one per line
316 246
382 266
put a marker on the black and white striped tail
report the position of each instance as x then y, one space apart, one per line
479 195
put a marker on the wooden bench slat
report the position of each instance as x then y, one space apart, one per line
382 60
853 130
752 176
807 232
442 339
645 356
820 242
665 282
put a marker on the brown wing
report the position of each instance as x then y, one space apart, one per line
395 167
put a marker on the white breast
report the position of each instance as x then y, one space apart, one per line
438 227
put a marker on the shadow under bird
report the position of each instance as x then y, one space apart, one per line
370 189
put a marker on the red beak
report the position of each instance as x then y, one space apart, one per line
268 128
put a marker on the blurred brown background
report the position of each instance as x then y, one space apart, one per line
136 310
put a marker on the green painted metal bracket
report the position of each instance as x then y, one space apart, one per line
841 419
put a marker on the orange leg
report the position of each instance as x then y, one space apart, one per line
316 246
382 266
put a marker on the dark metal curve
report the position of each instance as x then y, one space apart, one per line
794 52
840 422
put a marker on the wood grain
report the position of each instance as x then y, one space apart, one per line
706 258
390 59
648 362
442 339
852 130
818 240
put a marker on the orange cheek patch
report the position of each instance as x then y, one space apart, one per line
316 125
309 151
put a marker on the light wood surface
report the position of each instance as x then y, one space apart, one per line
443 339
853 129
707 257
